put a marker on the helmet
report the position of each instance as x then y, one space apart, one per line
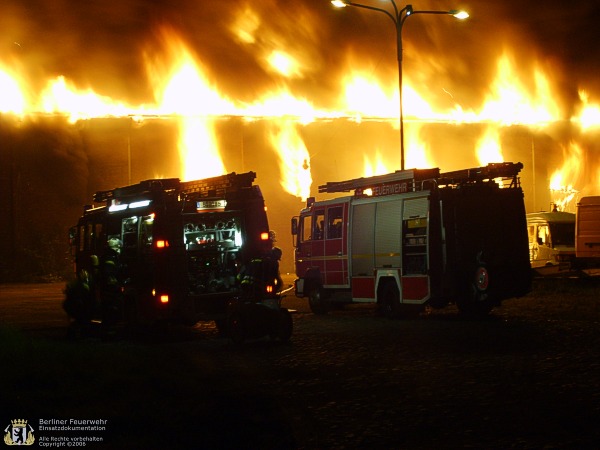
114 244
276 253
94 260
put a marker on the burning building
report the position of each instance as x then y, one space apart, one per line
94 96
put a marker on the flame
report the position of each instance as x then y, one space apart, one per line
364 97
489 149
511 101
183 89
59 97
13 100
376 167
590 113
188 93
294 160
198 149
281 104
284 64
563 180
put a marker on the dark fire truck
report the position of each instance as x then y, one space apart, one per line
182 244
416 237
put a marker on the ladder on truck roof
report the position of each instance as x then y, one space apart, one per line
207 187
218 186
400 176
413 177
492 171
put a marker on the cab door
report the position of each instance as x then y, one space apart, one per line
543 246
336 256
310 249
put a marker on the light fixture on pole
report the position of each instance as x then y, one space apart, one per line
399 16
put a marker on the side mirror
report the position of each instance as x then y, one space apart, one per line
73 240
295 231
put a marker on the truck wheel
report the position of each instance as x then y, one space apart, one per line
476 300
316 302
236 328
388 301
131 310
222 327
285 325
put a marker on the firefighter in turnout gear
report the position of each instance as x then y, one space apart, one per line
81 299
274 273
261 272
110 282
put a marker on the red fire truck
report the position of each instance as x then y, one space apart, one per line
180 244
414 238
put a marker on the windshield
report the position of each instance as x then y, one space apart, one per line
563 234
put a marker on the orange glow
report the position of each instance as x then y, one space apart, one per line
162 243
264 236
164 298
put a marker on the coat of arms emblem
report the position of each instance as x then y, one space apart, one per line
19 433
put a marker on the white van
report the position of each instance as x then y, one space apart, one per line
551 241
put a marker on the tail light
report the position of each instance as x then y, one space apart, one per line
162 243
162 298
264 236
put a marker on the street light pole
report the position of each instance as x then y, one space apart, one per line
399 16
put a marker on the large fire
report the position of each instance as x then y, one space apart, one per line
184 91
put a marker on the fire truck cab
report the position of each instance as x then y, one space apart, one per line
414 238
181 244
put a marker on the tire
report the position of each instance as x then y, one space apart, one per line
236 328
285 325
132 317
316 302
388 301
476 299
222 327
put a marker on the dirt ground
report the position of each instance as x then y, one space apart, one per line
528 376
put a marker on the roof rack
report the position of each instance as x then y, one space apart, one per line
218 186
207 187
413 179
411 176
146 186
478 174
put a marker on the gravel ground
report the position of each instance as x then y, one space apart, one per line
527 376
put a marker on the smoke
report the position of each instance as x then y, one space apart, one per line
104 44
